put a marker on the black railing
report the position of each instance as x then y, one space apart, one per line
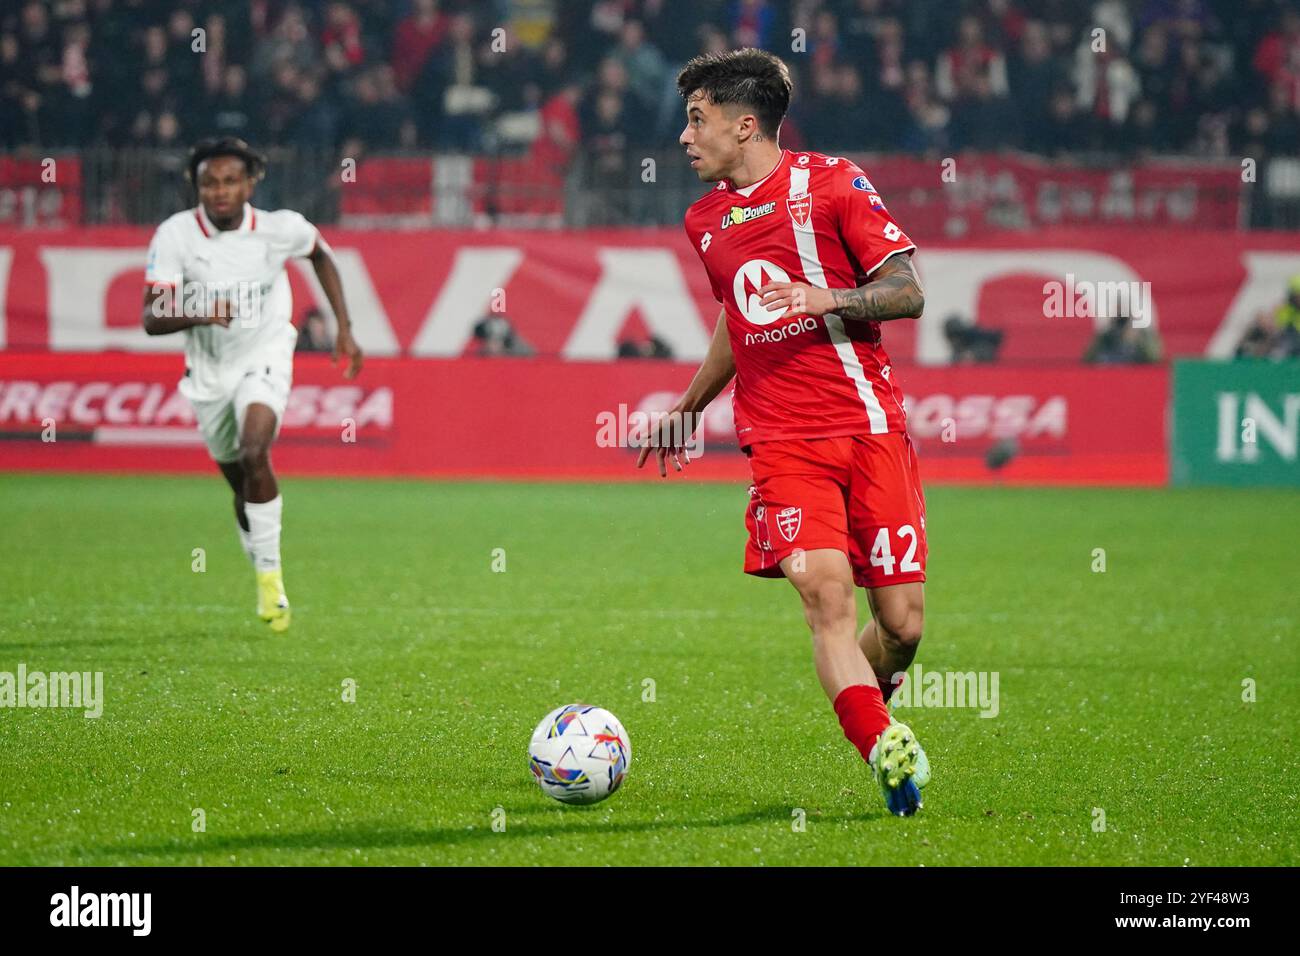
422 190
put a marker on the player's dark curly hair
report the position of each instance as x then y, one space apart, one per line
751 78
207 149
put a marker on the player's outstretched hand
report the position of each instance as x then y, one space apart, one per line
345 347
667 438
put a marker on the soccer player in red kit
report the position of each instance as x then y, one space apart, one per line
807 264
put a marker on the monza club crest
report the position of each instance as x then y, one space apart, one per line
800 208
788 521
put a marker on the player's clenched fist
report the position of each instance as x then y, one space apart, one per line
221 311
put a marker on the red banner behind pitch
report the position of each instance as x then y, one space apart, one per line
577 294
544 418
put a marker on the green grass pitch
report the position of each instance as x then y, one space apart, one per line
1119 690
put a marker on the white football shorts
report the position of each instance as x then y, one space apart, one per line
264 377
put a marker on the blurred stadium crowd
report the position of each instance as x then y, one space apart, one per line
1205 77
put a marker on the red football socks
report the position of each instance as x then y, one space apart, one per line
887 689
863 716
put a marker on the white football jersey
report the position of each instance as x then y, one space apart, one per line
243 265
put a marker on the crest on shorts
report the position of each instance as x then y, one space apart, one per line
788 521
800 208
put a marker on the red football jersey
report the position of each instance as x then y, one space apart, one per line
814 219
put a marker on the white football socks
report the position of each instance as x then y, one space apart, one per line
246 539
264 532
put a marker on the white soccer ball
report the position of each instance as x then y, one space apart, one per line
579 754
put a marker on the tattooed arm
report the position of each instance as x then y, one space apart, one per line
893 292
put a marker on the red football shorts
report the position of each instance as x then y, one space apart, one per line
859 494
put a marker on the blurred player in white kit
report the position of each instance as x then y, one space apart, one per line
216 273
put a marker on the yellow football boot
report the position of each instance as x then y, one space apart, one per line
272 605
